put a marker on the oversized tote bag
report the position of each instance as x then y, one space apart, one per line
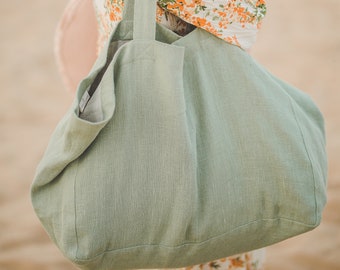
178 151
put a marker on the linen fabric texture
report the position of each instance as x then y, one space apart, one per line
178 151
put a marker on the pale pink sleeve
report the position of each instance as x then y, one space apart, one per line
76 42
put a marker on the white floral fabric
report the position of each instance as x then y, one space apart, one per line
235 21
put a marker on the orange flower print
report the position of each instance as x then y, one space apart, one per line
237 262
260 2
201 22
224 19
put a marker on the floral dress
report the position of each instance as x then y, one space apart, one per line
236 22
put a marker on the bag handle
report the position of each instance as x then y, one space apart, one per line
143 15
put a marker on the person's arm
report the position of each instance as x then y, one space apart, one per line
76 42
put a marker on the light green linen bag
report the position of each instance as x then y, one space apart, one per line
178 151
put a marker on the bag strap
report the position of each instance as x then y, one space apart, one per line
143 15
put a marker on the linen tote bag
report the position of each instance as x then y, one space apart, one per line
178 151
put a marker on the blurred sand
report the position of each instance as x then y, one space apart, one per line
298 43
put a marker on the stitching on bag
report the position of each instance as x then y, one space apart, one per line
75 207
141 59
79 260
309 158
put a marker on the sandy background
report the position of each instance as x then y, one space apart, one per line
300 42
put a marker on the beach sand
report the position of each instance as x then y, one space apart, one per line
299 42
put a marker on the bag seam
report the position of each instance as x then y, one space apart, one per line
82 261
75 208
309 158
